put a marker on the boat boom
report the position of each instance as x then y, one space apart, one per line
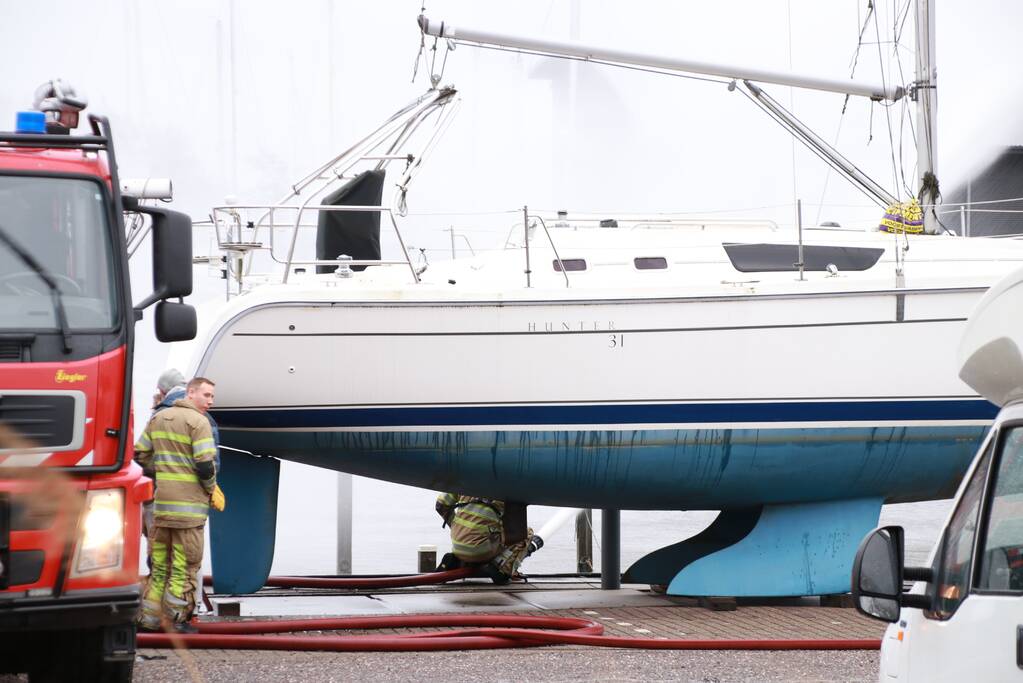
577 50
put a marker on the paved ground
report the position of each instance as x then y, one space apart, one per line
572 663
548 664
634 612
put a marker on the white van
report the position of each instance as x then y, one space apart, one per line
963 619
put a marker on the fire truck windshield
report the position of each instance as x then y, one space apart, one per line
62 223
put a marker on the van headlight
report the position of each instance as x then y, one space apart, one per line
101 533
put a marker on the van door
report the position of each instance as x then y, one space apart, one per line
975 631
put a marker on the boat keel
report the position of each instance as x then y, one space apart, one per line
770 550
242 536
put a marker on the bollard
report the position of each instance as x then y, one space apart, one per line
427 558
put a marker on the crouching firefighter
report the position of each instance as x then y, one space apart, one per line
486 533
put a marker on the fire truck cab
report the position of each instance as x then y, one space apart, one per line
70 492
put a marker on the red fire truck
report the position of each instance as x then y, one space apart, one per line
70 493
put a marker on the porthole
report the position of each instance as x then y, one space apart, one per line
650 263
571 264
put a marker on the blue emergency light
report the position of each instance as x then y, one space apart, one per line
30 122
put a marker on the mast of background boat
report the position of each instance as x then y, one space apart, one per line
923 93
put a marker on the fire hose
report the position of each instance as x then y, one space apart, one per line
490 632
363 582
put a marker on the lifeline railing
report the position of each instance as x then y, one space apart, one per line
388 143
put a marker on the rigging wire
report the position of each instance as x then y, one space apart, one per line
792 140
989 201
845 102
902 22
859 44
900 249
888 118
897 28
422 45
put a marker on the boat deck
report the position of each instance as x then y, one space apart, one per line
633 611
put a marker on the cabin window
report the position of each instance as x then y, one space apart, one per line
773 258
571 264
650 263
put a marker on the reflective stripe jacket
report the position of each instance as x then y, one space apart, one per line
176 394
477 532
178 447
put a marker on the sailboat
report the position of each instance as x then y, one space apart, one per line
795 379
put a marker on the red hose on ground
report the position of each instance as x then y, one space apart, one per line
365 582
242 635
498 631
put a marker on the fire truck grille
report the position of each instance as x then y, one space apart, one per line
10 352
32 513
47 421
24 567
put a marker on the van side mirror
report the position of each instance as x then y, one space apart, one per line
878 574
174 322
172 254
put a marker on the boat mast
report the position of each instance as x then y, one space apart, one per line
923 91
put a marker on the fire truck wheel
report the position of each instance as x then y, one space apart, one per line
82 660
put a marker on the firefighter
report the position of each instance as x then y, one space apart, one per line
170 387
177 449
478 537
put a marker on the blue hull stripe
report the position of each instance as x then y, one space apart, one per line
679 413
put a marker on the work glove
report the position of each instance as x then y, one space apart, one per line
217 499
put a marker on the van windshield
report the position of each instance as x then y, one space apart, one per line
62 223
1001 555
956 557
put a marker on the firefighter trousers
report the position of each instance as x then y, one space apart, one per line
177 556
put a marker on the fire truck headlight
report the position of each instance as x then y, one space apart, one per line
101 541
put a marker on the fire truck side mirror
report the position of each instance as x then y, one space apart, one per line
174 322
172 254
